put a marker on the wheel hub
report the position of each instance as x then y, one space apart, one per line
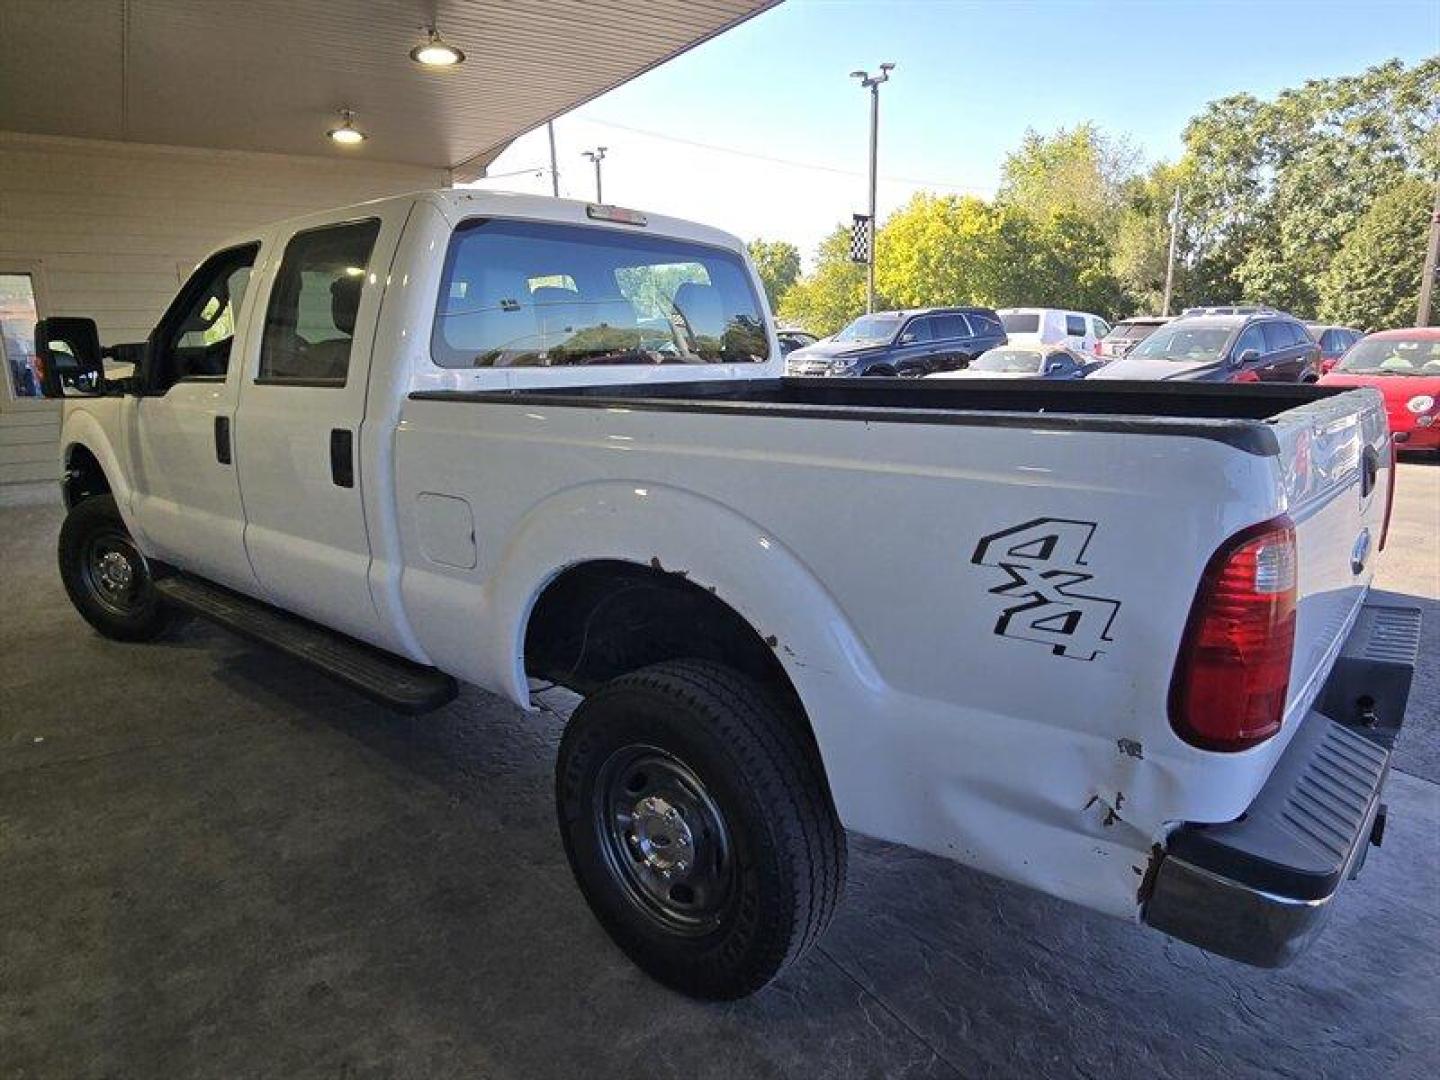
115 572
661 836
664 839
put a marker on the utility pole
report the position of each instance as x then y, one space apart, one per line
1170 262
597 155
872 83
1432 257
554 166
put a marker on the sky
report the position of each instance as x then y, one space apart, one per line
760 131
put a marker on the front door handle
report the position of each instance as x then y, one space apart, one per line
222 440
342 457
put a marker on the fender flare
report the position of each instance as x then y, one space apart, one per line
714 546
81 428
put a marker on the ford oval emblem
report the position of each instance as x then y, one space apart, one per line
1360 552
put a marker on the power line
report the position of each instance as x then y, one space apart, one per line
974 188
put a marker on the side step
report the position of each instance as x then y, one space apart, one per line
402 685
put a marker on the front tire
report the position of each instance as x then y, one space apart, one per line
698 823
106 576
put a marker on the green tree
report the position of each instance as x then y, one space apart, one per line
1274 187
778 264
832 294
1373 282
1078 171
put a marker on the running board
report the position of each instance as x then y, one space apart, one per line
398 683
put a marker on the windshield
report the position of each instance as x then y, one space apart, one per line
1184 344
539 294
1393 358
1021 322
1023 361
870 328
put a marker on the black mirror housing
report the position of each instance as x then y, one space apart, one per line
1249 356
68 349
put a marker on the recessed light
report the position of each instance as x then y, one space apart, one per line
347 134
436 52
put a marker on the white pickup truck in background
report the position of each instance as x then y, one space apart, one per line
1126 656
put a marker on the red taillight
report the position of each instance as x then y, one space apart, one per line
1233 672
1327 364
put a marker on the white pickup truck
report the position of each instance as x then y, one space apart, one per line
1110 641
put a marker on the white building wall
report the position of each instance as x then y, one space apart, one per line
109 229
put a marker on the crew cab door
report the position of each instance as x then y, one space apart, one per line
301 409
181 428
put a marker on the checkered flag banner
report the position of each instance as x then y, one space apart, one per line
860 238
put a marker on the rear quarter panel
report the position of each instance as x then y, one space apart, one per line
947 719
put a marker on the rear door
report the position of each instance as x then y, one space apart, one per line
953 342
301 410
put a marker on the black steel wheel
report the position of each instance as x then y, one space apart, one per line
105 574
698 822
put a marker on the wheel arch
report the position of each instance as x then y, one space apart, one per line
88 462
754 603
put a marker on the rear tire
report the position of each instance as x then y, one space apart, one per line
697 820
106 576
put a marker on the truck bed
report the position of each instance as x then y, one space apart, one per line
1237 417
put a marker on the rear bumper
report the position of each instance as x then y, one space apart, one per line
1259 889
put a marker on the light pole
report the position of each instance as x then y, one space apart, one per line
872 83
1170 261
554 166
1432 256
597 155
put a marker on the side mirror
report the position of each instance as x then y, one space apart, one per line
1054 368
1249 356
906 339
68 351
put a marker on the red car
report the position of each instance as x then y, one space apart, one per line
1404 365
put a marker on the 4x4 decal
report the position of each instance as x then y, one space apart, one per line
1042 561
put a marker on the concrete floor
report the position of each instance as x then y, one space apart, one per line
215 863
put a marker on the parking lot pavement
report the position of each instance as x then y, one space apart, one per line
215 863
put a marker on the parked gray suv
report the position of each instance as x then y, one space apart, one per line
1263 346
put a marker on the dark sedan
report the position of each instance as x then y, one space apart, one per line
905 343
1267 346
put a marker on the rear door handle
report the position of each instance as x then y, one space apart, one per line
222 440
342 457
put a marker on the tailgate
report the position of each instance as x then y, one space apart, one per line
1336 470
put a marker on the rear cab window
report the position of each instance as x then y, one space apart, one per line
542 294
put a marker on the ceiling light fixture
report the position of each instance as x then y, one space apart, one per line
347 134
435 52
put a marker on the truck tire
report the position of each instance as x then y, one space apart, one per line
697 820
106 576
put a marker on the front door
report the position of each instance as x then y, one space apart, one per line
298 430
186 495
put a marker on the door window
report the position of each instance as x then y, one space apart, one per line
18 315
1277 336
917 331
1252 338
310 323
1075 325
195 336
984 324
950 327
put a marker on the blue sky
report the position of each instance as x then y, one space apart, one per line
761 132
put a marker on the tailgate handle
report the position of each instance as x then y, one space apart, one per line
342 457
222 440
1369 471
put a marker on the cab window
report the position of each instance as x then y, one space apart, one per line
194 339
310 323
